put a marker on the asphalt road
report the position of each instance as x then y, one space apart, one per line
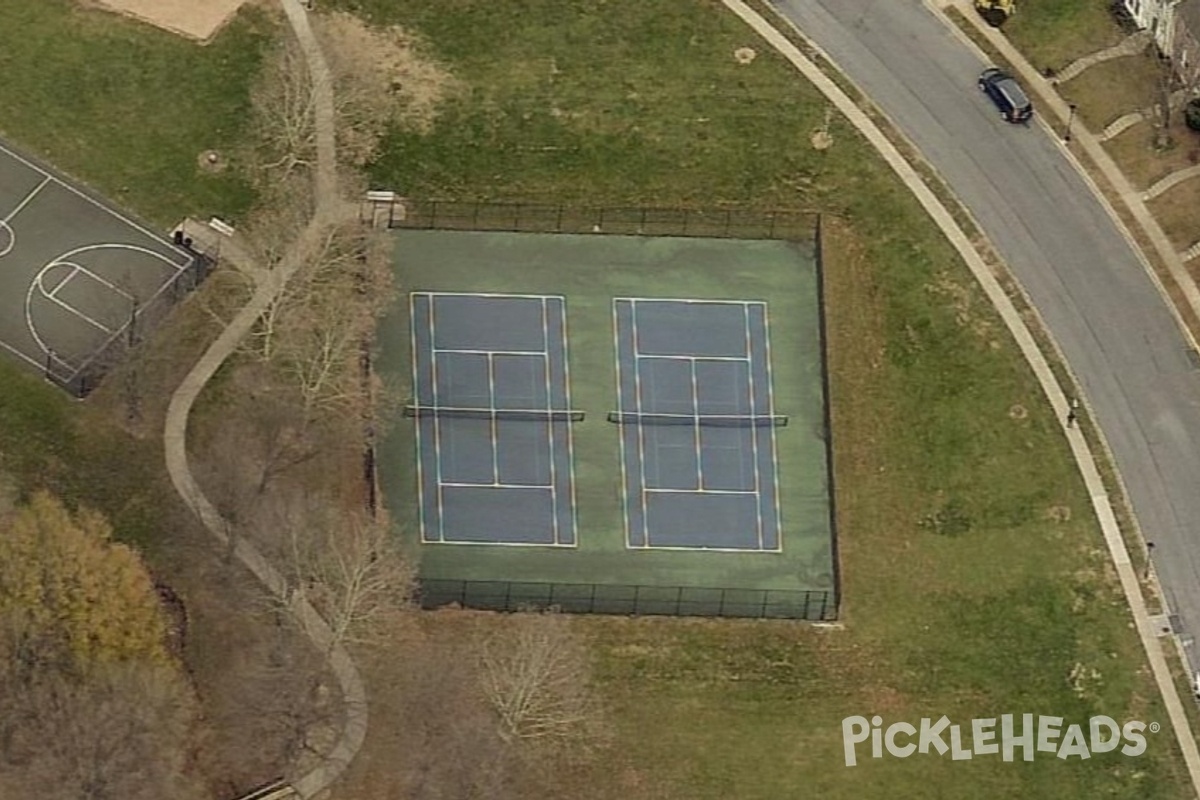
1105 312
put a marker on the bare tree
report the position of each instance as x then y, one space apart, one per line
537 677
283 104
120 733
379 80
1165 83
349 566
449 747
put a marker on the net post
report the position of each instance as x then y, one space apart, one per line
678 600
721 605
727 221
433 210
592 602
558 223
508 596
517 217
771 234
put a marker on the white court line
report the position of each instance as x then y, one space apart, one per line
620 409
70 309
466 543
774 433
75 270
25 200
637 395
696 428
188 260
562 313
478 352
437 434
701 491
35 362
495 485
550 427
682 357
753 434
412 343
492 294
53 293
683 549
495 443
691 301
166 285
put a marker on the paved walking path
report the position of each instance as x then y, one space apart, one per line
1124 123
330 210
1084 138
1025 341
1129 46
1174 179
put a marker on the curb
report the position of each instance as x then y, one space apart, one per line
1025 341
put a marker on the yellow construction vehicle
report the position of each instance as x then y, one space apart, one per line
995 12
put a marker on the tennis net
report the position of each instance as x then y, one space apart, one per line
500 414
700 420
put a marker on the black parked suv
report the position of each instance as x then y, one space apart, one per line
1007 94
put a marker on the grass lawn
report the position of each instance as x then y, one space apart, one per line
128 108
1134 152
976 583
1053 33
1107 91
1175 210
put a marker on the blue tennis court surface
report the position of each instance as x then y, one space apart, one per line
697 416
492 404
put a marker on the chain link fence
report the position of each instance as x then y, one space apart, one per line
593 598
636 221
143 317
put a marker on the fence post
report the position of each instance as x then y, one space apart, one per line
721 605
508 596
433 219
592 602
558 224
771 235
517 218
600 220
678 596
642 225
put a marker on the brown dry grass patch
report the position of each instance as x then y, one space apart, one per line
1144 164
1176 212
1112 89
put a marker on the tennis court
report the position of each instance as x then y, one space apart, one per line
697 415
618 424
493 419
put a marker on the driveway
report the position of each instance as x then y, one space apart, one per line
1105 312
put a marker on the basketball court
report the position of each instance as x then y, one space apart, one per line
76 275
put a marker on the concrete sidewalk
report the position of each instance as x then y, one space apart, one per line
331 210
1012 319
